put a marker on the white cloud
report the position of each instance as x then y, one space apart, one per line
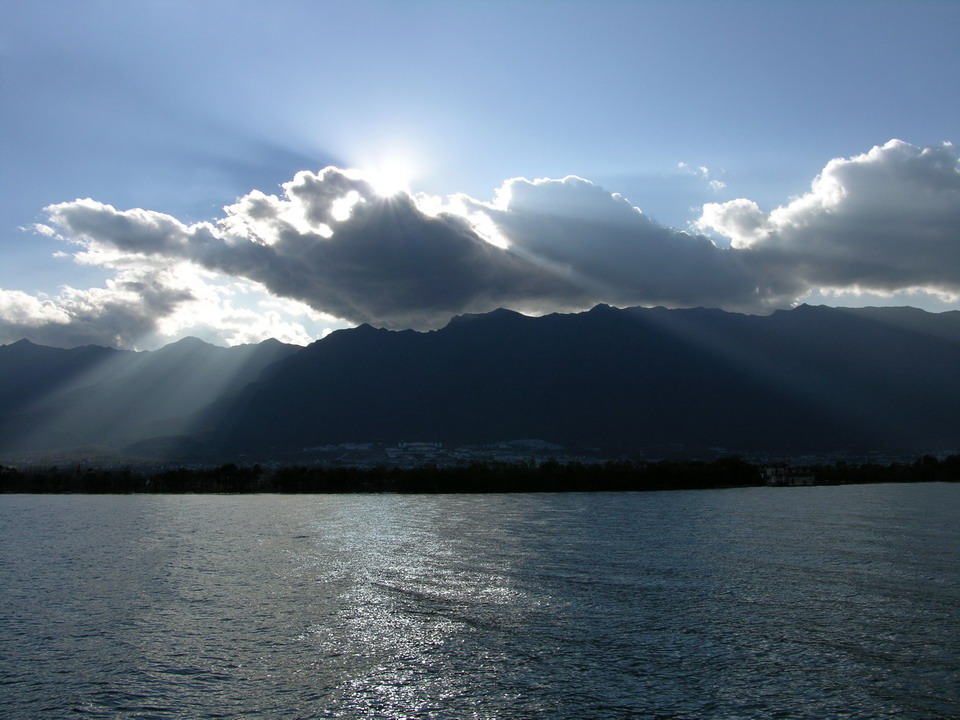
42 229
18 309
702 172
144 307
741 220
117 315
233 312
886 220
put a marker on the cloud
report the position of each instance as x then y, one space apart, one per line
704 173
149 303
883 221
385 261
332 242
741 220
615 252
18 309
238 312
117 315
886 220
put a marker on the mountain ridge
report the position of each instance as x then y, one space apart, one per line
810 379
92 395
625 378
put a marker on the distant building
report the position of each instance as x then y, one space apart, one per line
785 476
415 451
420 446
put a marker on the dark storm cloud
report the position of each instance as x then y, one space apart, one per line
618 253
387 263
885 220
332 243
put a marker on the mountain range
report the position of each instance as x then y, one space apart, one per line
811 379
52 398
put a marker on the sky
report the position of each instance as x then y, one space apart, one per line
243 170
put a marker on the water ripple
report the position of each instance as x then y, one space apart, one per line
754 603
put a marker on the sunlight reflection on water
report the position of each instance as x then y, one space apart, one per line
801 603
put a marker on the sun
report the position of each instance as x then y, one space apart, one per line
390 178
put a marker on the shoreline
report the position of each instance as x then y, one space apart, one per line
477 478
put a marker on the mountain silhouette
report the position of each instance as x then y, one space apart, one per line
810 379
52 398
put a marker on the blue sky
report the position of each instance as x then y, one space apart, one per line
182 108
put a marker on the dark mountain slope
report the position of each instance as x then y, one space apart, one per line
51 397
27 370
813 378
810 379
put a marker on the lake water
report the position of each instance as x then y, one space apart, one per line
822 602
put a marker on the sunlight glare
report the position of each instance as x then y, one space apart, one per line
342 208
487 229
390 178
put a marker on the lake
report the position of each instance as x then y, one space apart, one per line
815 602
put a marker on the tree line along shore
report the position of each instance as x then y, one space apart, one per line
549 476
